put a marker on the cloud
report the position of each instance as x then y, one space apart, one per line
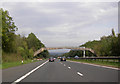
64 23
59 0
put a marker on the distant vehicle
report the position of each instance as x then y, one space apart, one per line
68 57
63 59
76 57
59 57
51 59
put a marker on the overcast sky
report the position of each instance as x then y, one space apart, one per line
64 23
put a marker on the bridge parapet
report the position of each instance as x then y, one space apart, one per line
75 48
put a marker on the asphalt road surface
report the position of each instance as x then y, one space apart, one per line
44 71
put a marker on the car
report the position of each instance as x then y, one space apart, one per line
51 59
76 57
68 57
63 59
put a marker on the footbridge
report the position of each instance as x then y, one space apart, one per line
73 48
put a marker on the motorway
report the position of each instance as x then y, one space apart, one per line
44 71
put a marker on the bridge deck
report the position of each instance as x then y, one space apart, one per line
76 48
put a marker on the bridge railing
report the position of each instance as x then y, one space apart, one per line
75 48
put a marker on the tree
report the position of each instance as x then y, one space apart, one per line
44 54
31 53
8 31
118 42
106 46
115 46
113 33
33 42
0 29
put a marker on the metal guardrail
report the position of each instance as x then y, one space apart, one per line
101 58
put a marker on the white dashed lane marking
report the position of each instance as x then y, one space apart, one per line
79 73
69 67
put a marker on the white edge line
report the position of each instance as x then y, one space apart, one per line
21 78
96 65
79 73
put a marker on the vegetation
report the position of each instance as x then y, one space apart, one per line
16 63
106 46
17 47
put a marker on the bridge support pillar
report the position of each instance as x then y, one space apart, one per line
84 52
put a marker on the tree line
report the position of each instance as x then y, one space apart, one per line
21 46
106 46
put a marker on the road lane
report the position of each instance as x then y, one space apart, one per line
94 73
53 72
27 74
13 73
60 72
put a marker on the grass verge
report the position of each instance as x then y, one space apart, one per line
104 63
13 64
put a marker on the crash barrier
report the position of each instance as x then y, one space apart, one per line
110 59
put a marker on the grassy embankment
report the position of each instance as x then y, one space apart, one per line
12 60
99 62
13 64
